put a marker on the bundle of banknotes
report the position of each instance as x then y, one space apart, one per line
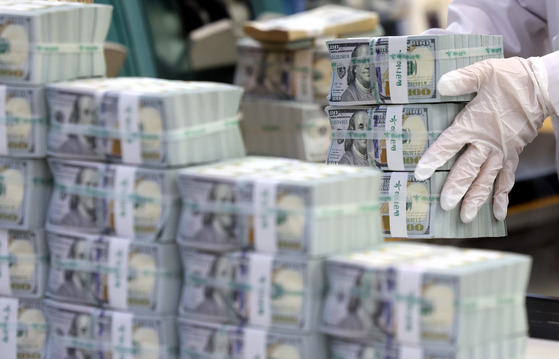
403 69
328 20
411 209
77 331
47 41
25 185
277 205
388 137
144 121
203 340
24 328
301 74
23 121
285 129
253 288
510 348
116 273
426 295
23 263
116 200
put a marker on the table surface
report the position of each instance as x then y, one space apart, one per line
542 349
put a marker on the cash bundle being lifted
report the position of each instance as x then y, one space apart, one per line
412 209
144 121
279 206
44 42
426 295
388 137
114 273
403 69
116 200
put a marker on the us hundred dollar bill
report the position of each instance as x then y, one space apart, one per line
23 263
250 287
210 340
129 202
513 348
425 295
388 137
114 272
411 209
86 332
24 328
402 69
25 186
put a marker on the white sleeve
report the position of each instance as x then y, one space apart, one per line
524 31
551 62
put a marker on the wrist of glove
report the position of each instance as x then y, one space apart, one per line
512 102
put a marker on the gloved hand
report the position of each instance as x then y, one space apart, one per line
512 102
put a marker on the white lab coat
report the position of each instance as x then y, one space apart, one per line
526 30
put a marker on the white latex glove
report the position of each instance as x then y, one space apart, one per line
512 102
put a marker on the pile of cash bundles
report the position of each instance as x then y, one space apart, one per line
254 234
385 111
40 42
284 67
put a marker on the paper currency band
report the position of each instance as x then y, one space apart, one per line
430 198
54 47
105 268
101 346
171 135
447 54
378 134
23 258
115 195
8 121
277 291
316 212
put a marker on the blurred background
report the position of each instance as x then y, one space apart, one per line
198 40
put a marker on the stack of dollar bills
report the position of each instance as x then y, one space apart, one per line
77 331
25 187
24 328
23 121
385 111
123 201
277 205
510 348
286 129
427 296
203 340
403 69
113 272
282 292
23 263
411 209
144 121
46 41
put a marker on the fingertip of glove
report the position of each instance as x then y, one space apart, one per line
422 173
468 213
499 214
